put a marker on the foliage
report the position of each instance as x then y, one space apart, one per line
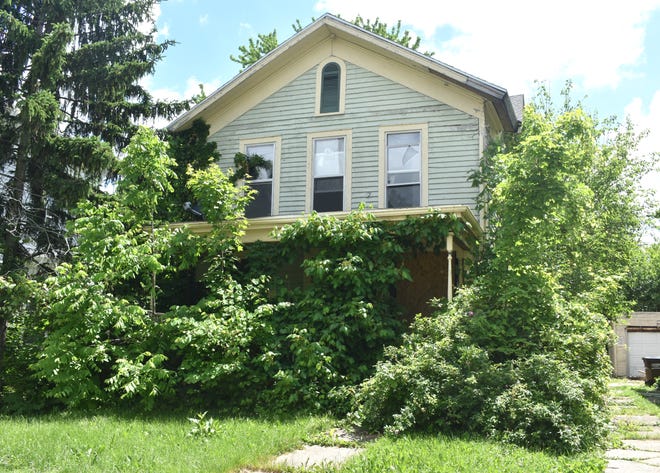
534 325
546 404
643 284
437 380
249 166
69 97
203 427
108 344
332 282
265 43
188 148
335 327
21 300
255 49
98 322
393 34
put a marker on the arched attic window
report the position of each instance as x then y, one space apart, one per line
330 88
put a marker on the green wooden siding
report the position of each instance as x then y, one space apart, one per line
371 101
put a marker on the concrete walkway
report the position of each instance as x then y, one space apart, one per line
636 456
317 455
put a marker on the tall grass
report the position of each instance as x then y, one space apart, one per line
113 444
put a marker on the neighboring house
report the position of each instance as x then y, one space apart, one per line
346 118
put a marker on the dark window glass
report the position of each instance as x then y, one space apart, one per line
330 88
403 196
261 205
328 194
263 182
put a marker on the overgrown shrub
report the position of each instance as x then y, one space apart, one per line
546 404
563 218
437 380
440 380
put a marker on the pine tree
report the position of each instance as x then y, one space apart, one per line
69 99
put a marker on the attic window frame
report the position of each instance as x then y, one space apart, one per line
319 85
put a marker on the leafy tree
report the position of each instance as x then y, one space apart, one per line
188 148
255 49
394 33
101 306
69 96
563 217
643 285
265 43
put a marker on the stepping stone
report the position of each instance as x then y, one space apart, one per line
646 445
315 455
623 454
624 466
641 420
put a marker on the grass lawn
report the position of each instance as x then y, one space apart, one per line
107 443
104 443
440 454
60 443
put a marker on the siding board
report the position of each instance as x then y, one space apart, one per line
371 102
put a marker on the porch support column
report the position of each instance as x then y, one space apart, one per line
450 275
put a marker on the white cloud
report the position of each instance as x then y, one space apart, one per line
191 88
203 19
648 118
163 31
164 93
512 43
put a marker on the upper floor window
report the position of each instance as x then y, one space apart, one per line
262 205
404 169
328 171
328 167
331 82
404 166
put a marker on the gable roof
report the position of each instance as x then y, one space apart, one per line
330 26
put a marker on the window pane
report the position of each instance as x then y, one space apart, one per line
329 157
328 194
330 88
403 151
395 178
261 205
266 151
403 196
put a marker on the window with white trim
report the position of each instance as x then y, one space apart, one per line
262 204
328 171
404 169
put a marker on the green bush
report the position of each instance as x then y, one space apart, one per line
548 405
437 380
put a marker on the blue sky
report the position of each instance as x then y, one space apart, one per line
609 49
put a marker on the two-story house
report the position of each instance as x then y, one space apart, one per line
347 117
